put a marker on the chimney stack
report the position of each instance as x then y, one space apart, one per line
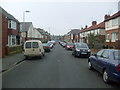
86 26
94 23
106 16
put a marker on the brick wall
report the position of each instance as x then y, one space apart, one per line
4 35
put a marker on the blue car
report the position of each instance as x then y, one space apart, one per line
107 62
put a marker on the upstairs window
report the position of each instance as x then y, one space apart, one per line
12 24
114 22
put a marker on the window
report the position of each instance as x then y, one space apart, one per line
105 54
35 44
116 55
114 36
11 24
114 22
100 53
108 37
28 45
11 40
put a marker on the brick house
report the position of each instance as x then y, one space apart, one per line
112 30
72 36
96 29
26 30
10 32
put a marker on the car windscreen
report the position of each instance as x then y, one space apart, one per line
116 55
35 44
81 45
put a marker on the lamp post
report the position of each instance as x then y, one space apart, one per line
24 21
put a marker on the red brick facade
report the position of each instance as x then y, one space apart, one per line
4 35
115 44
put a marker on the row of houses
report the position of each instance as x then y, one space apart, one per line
15 33
108 30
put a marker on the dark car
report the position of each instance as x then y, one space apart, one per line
63 44
107 62
47 47
81 49
69 46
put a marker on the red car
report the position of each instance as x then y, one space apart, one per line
69 46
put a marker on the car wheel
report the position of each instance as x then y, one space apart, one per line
90 65
105 76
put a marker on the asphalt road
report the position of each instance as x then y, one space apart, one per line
58 69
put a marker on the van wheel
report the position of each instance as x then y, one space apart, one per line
43 54
26 57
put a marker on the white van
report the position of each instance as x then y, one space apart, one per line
33 48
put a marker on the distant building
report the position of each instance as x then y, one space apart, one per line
72 36
27 30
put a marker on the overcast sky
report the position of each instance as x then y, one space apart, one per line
60 16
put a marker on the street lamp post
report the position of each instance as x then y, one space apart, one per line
24 21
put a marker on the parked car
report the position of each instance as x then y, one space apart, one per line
50 44
33 48
69 46
81 49
63 44
107 62
47 47
52 41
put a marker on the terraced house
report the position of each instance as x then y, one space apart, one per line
112 30
10 32
96 29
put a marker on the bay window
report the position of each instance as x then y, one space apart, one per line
114 36
11 40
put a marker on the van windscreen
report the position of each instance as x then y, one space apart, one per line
35 45
28 45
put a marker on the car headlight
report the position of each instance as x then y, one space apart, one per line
89 50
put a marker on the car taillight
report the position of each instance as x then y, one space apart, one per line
47 47
118 69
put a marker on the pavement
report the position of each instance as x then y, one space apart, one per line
9 61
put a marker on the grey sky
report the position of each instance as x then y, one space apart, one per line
60 17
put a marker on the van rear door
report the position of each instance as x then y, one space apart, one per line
28 48
35 48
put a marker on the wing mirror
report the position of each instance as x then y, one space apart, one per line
94 54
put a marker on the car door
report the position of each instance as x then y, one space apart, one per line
96 58
103 61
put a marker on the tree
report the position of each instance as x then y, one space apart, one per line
95 41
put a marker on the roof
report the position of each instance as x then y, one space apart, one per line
9 16
25 26
74 31
113 16
98 26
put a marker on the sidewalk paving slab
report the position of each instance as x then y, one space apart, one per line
9 61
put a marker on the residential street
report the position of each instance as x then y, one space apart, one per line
58 69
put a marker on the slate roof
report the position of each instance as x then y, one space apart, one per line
25 26
9 16
74 31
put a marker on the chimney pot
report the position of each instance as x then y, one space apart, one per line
94 23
